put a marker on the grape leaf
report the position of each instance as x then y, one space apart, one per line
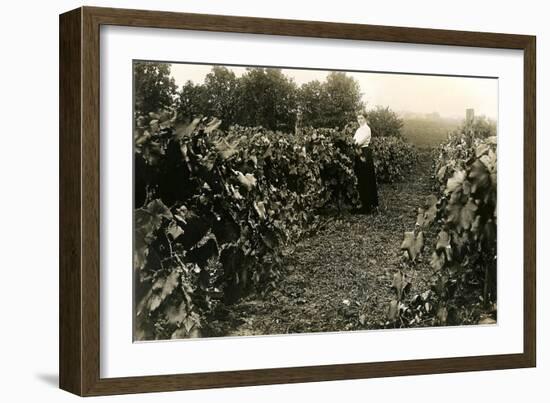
442 315
468 213
479 176
176 314
185 130
189 328
163 287
482 149
443 241
413 245
248 181
226 150
157 209
393 311
212 125
400 284
437 261
455 182
174 230
260 209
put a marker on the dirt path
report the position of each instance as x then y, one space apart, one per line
340 278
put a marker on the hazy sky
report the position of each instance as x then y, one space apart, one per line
449 96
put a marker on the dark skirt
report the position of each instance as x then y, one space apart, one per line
366 178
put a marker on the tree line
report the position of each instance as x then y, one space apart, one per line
260 97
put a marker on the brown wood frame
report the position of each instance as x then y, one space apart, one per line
79 200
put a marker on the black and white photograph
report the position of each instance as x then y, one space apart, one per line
271 200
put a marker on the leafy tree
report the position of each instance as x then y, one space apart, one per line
192 100
216 97
220 90
332 103
153 86
309 101
341 98
266 97
384 122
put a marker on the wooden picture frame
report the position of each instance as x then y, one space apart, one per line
79 346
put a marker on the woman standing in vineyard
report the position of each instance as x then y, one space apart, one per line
364 166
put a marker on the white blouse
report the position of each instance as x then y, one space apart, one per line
362 136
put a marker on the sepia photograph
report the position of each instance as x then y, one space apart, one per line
271 200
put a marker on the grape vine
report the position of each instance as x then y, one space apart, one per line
463 219
214 210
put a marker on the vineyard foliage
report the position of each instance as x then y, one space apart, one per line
393 158
461 146
464 220
214 210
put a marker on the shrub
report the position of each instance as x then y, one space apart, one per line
384 122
